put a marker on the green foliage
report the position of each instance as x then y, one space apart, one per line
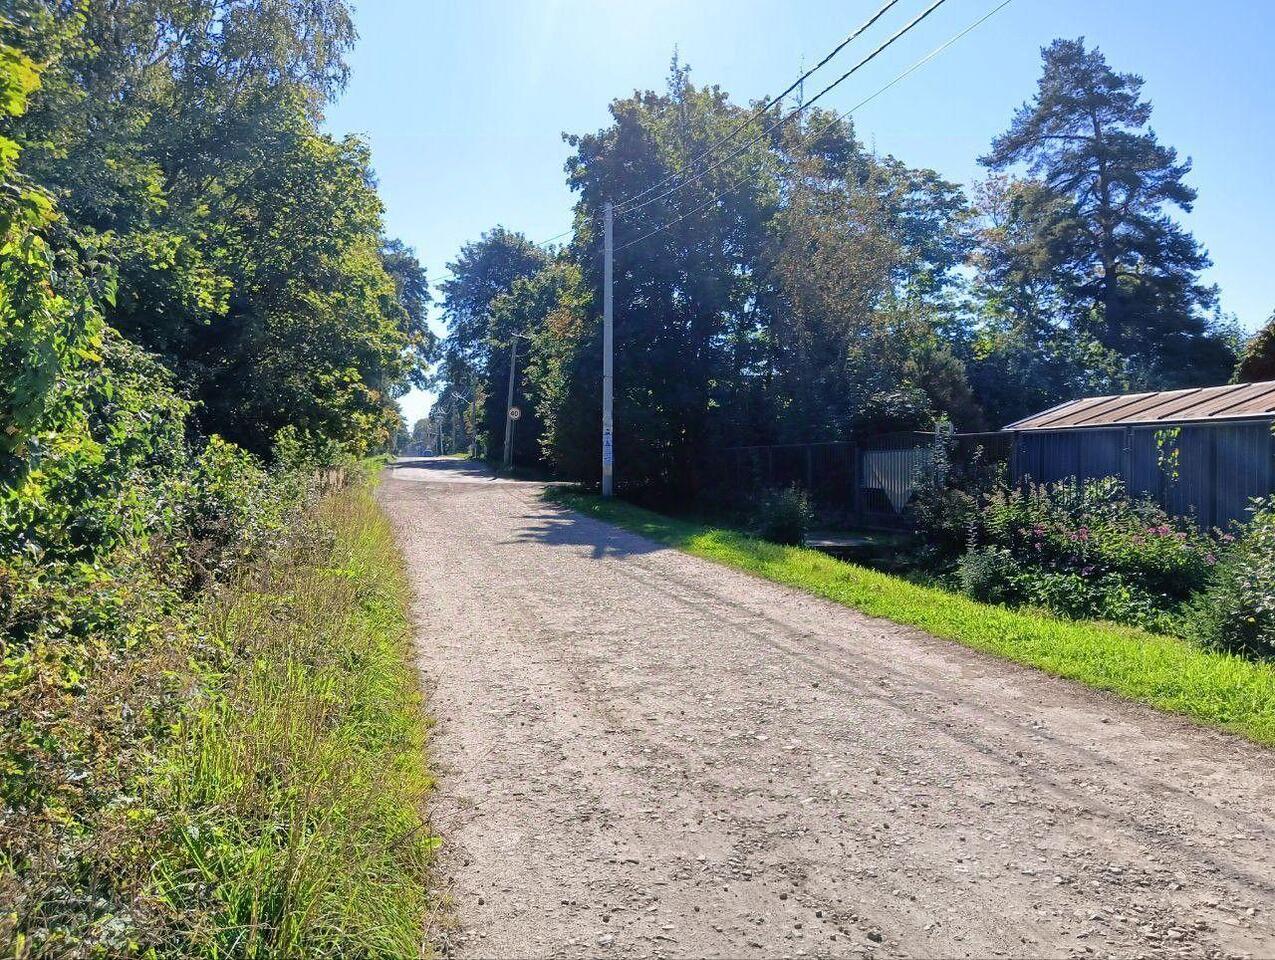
947 500
482 272
181 138
293 791
182 253
1257 361
1130 274
105 540
1214 688
751 313
784 516
1237 611
561 371
48 319
1086 550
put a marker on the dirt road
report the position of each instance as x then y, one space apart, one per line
642 753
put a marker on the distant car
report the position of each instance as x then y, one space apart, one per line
429 452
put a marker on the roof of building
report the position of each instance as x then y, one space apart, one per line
1233 402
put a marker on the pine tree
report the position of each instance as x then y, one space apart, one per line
1133 272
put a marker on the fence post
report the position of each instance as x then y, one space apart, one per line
856 480
1128 460
1212 519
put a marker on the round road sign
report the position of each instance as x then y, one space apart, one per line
514 413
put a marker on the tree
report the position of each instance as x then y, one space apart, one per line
1257 361
181 139
684 276
475 353
797 288
481 272
1027 350
1132 272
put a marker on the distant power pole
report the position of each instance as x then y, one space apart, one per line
608 373
509 403
510 415
473 418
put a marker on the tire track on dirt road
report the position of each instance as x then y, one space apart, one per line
653 755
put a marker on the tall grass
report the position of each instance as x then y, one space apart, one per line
297 785
1208 686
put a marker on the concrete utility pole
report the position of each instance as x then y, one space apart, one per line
509 403
608 373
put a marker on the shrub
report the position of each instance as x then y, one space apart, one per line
1088 550
949 495
989 574
1237 611
784 516
112 516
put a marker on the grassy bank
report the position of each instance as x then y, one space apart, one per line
1213 688
296 788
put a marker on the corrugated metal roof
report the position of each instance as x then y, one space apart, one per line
1234 402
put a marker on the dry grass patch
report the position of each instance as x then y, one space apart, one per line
299 782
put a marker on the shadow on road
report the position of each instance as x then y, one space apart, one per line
559 527
476 469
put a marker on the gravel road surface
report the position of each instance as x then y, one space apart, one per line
644 754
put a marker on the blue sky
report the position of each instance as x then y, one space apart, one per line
464 101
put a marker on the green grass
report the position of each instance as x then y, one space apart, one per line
1213 688
297 787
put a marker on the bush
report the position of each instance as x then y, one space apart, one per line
784 516
1087 550
1237 611
949 495
989 575
113 516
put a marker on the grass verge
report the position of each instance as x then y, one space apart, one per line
1214 688
297 785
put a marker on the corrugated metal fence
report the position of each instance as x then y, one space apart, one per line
1207 471
873 478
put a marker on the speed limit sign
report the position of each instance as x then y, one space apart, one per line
514 413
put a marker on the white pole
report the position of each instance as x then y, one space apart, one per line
509 403
608 451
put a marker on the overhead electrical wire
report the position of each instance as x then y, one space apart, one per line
760 111
545 243
796 111
813 136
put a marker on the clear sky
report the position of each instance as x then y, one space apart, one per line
464 101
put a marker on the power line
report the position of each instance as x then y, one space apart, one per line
760 111
813 137
545 243
797 110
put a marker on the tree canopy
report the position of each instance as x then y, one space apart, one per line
180 140
1130 273
797 286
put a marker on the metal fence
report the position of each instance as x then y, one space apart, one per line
1206 471
873 479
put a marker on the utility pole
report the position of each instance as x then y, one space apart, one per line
608 372
509 403
473 419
